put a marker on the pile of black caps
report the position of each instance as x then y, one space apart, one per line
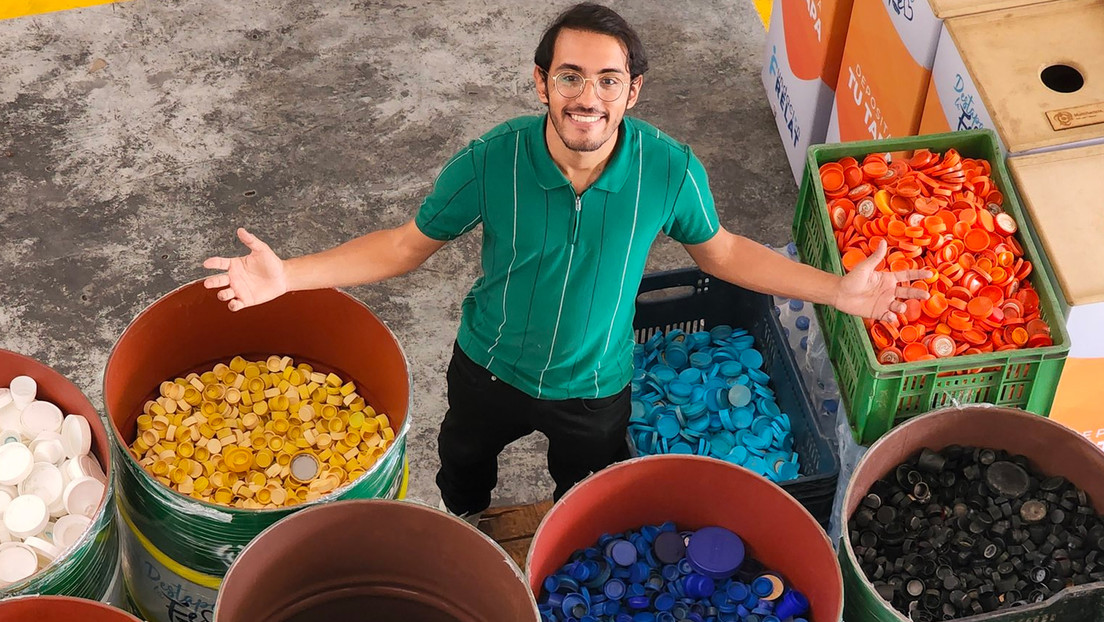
965 531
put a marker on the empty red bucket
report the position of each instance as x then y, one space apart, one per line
694 492
378 560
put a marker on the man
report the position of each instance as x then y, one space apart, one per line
570 202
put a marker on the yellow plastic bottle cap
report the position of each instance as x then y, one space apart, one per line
40 416
69 529
83 496
23 391
16 461
238 459
45 482
17 562
26 516
46 551
304 467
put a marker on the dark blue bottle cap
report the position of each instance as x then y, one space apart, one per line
623 617
575 606
715 552
644 616
670 572
555 600
614 589
793 604
669 547
664 602
551 583
639 602
699 586
622 552
761 587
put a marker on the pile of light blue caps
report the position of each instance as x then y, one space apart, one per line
704 393
661 574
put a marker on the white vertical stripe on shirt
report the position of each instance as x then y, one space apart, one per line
513 247
700 201
556 330
628 253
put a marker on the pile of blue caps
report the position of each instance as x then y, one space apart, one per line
704 393
660 574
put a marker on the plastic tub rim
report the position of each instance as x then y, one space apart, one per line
414 505
73 600
109 489
213 508
902 428
682 457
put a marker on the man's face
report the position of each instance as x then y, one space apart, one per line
586 122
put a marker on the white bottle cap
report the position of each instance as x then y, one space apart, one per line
9 420
4 535
40 416
26 516
5 397
12 491
44 482
5 499
85 466
47 449
15 463
83 496
76 435
47 551
10 435
23 390
57 509
69 529
17 562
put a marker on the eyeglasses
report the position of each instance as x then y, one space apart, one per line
570 84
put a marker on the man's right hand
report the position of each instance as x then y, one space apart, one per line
251 280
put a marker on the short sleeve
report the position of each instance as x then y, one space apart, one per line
452 207
693 219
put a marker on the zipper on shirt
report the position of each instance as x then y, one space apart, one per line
575 219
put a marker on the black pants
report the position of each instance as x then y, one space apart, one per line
485 414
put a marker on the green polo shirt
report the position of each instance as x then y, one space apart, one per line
552 313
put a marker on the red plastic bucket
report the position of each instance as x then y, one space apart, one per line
373 559
87 569
60 609
694 492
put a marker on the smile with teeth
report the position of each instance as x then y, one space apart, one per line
583 118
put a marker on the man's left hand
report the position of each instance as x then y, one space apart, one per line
868 292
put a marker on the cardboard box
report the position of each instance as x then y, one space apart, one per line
887 65
800 69
1006 71
1063 195
885 69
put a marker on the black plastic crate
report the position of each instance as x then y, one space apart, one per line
691 300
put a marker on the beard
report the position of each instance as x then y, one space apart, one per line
586 143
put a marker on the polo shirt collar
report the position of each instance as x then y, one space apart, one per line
612 179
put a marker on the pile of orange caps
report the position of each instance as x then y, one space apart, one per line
942 214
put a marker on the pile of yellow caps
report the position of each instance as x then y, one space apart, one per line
229 435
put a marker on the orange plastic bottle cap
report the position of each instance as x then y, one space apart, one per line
942 346
1006 223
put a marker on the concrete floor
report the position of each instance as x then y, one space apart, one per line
135 137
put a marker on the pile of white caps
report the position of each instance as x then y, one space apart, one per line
50 485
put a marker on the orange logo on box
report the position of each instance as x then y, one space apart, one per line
805 41
881 87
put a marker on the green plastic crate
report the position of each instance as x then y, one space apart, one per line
878 396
